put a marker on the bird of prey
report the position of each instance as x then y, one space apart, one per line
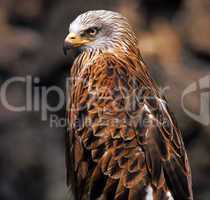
122 140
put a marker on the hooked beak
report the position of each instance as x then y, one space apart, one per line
73 40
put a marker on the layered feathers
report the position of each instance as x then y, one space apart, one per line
122 143
124 139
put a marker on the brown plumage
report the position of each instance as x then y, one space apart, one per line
122 140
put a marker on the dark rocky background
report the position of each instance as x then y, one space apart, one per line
174 38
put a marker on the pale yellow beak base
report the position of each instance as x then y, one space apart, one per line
75 40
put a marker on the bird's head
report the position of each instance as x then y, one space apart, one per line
100 29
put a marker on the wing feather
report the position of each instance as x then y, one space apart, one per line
124 134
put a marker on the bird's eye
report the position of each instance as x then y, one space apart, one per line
92 31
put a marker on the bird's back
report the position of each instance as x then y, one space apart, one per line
123 142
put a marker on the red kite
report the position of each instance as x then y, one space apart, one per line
122 140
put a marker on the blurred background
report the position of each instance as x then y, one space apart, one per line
174 39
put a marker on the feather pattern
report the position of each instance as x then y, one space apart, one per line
111 142
122 140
